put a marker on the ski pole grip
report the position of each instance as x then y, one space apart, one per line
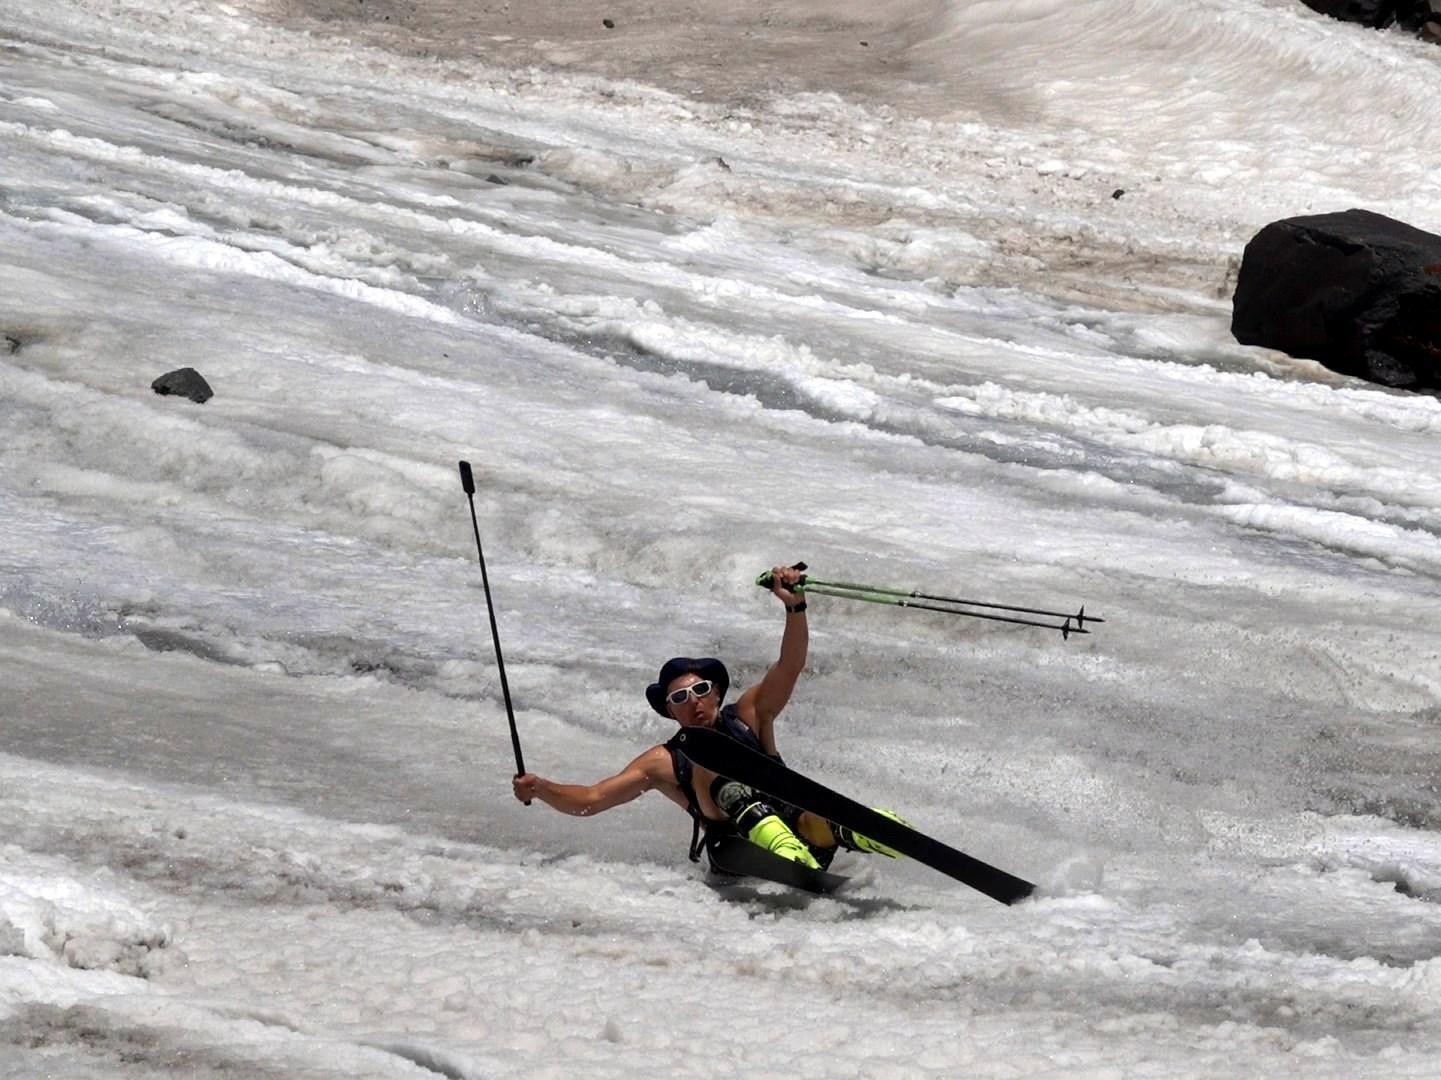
467 481
767 578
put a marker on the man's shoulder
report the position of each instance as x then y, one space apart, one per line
744 708
657 759
744 722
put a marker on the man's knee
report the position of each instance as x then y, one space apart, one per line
739 802
815 830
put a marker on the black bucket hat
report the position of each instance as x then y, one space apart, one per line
707 667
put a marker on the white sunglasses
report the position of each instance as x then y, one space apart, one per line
685 693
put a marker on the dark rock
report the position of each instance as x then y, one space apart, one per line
187 382
609 24
1118 193
1411 14
1358 292
493 179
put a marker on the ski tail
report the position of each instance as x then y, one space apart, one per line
737 855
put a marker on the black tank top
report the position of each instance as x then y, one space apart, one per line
731 724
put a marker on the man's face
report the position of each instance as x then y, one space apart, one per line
699 702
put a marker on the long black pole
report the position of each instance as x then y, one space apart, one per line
467 481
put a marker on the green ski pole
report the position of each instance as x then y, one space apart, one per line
913 598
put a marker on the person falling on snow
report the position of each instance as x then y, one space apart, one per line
690 692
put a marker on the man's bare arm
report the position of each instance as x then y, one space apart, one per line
768 697
584 800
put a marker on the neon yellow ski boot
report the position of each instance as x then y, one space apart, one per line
775 836
854 841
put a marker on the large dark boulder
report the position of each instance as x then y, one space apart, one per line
1412 14
1357 291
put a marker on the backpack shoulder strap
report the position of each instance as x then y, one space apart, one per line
683 774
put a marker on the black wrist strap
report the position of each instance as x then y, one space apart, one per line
795 609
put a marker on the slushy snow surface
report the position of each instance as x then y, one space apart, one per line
255 817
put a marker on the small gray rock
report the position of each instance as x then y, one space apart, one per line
187 382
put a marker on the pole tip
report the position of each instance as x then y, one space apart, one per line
467 481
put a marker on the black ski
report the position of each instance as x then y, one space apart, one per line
737 855
721 754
